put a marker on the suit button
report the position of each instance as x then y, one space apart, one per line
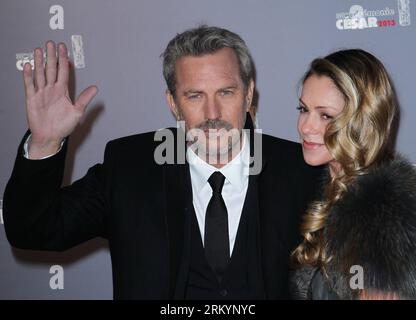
224 292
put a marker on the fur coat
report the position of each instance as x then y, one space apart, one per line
373 226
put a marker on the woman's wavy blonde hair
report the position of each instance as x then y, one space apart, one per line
361 136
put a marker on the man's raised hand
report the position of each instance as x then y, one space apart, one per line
50 112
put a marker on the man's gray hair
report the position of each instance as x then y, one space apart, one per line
205 40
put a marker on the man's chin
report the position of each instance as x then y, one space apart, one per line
214 151
218 148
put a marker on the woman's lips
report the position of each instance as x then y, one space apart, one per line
311 145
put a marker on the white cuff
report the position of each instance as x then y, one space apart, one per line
26 151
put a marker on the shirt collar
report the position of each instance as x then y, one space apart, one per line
235 171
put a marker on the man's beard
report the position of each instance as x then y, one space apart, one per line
215 141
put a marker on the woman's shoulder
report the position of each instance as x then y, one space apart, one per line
300 282
309 283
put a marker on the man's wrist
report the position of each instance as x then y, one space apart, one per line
42 149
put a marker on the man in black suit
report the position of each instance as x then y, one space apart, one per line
216 226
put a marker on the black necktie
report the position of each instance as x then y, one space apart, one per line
217 248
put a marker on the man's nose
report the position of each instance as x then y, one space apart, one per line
212 109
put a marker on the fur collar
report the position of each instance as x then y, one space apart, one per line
374 226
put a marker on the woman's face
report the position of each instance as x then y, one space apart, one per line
320 102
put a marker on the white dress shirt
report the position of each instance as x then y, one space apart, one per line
236 174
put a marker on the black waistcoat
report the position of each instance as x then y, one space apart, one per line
242 279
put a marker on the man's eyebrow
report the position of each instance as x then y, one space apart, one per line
191 91
195 91
233 86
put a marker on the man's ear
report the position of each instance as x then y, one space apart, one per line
249 96
172 104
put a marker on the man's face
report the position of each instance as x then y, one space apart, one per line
210 98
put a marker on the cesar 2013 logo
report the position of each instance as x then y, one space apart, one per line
359 18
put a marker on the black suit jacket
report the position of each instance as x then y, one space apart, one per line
142 209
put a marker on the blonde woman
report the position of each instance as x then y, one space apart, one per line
360 236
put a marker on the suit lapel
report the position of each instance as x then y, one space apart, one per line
178 204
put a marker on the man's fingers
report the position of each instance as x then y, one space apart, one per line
39 70
63 69
27 78
85 97
50 63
